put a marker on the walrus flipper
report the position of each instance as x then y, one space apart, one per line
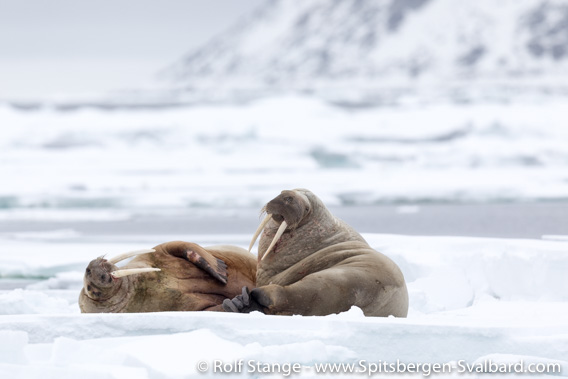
243 303
200 257
211 265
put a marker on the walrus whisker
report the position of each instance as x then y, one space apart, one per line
130 254
279 233
132 271
258 230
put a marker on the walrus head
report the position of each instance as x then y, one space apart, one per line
288 209
103 278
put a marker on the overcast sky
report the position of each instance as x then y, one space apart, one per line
50 47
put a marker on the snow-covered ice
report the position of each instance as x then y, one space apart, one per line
471 299
241 155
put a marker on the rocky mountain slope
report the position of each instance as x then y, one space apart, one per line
332 45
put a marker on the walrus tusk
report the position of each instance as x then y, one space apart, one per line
132 271
258 230
279 233
124 256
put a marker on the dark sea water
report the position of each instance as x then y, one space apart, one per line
510 220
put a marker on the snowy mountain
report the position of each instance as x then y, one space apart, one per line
365 44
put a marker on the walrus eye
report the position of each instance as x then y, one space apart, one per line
103 277
88 271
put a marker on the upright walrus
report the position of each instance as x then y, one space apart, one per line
173 276
312 263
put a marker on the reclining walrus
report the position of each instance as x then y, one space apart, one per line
311 263
173 276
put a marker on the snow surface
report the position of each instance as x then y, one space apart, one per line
471 299
241 155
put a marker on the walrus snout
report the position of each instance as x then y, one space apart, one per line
287 209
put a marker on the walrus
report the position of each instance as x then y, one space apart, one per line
173 276
312 263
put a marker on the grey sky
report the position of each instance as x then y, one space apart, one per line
50 47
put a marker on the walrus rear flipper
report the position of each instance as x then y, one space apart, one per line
199 257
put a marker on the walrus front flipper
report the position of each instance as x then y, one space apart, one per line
199 257
208 263
242 303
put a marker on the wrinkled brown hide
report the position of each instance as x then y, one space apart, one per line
321 265
191 279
